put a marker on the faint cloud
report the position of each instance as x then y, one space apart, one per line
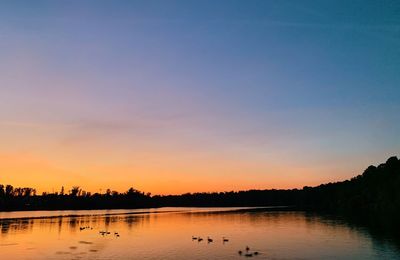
32 125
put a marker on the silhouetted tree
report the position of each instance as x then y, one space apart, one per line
9 190
75 191
2 191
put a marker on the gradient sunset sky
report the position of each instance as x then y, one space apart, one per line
186 96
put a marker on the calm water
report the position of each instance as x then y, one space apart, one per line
167 234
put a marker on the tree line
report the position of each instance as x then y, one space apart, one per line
376 190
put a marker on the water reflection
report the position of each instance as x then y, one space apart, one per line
168 235
16 225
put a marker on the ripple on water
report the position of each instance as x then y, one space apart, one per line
9 244
62 253
85 242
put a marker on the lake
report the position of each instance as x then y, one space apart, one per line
166 233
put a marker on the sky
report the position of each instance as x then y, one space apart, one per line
186 96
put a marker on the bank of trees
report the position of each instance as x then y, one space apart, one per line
376 191
76 198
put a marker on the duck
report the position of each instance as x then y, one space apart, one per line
209 240
224 239
247 248
194 238
255 253
240 252
199 239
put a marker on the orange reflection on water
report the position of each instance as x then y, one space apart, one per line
168 235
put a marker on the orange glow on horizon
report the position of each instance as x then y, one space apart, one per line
167 177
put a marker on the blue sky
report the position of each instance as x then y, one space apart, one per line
283 85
